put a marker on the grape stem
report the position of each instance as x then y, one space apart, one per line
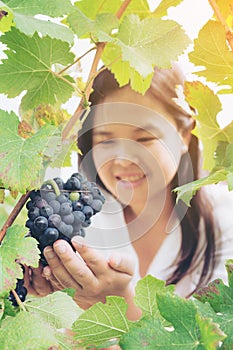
92 74
13 215
218 14
55 186
18 300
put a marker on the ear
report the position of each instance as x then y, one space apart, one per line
186 135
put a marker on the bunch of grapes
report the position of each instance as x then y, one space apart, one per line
62 210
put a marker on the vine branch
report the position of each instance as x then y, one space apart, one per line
218 14
92 74
13 215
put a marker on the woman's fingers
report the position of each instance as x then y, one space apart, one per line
93 259
122 263
67 267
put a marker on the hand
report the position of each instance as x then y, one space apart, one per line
35 283
88 272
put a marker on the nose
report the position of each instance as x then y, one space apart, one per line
125 154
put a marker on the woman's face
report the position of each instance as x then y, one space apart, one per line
136 146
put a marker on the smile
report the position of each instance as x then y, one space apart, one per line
130 178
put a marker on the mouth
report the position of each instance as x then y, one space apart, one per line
132 179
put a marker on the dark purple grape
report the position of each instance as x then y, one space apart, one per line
68 219
96 205
66 208
49 236
88 211
33 213
40 203
55 205
65 229
41 223
86 198
30 204
62 198
46 211
79 217
49 196
54 220
97 194
77 205
72 184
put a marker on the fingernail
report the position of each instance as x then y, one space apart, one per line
60 248
79 241
47 271
49 253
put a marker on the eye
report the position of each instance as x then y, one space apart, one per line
147 139
104 142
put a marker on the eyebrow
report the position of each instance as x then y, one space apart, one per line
149 128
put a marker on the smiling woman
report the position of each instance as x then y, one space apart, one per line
138 148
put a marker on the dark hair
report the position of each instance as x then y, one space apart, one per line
194 219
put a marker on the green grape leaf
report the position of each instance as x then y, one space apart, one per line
25 21
16 246
57 309
211 334
146 291
7 20
187 191
19 156
188 331
29 67
212 53
100 28
164 5
102 322
33 25
122 71
207 105
51 8
215 301
150 42
91 9
27 331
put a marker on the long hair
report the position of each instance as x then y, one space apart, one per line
197 219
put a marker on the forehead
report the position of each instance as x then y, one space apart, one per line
118 114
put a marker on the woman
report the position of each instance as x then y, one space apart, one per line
138 148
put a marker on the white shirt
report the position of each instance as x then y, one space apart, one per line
109 233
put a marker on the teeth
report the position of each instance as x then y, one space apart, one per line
131 178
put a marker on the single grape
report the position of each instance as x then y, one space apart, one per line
68 219
96 205
41 223
49 196
79 217
65 229
77 206
72 184
49 236
88 211
46 211
54 220
66 208
55 205
86 198
74 196
40 203
33 213
62 198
